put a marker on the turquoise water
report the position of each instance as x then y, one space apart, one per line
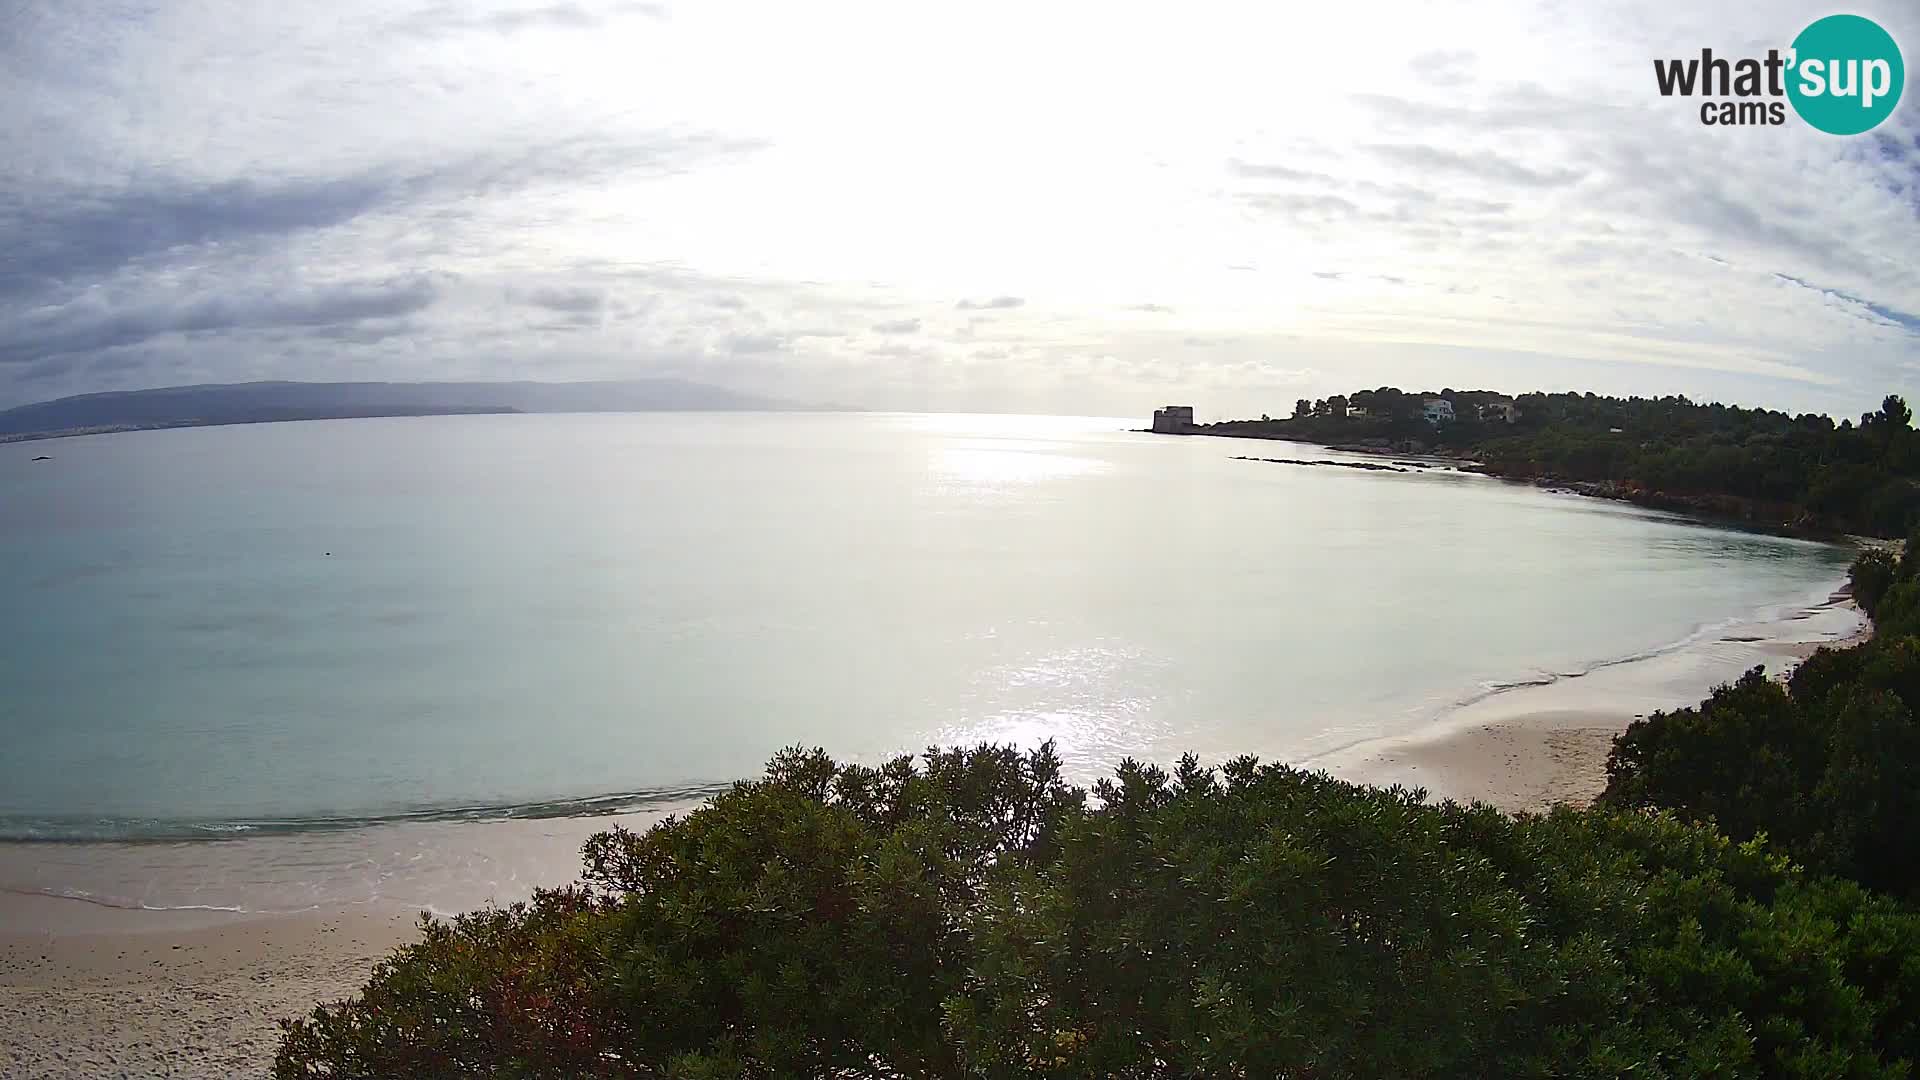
280 626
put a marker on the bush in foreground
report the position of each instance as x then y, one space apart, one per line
969 914
1826 766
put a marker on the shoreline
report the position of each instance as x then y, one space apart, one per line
1717 511
121 958
1536 747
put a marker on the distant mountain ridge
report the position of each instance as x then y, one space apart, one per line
268 402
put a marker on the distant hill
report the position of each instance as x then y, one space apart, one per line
268 402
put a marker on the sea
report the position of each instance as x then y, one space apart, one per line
355 648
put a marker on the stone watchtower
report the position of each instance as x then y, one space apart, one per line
1173 420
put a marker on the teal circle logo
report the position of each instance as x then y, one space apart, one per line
1845 75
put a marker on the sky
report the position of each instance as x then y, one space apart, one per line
1057 206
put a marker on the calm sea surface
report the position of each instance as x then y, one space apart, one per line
285 625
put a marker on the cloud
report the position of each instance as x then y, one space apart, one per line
573 301
603 188
80 234
755 343
461 18
1301 206
92 325
64 235
1444 67
1518 108
1483 166
1258 171
1886 315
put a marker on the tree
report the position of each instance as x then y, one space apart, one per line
971 915
1827 766
1302 408
1870 577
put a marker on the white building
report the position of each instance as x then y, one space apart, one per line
1439 411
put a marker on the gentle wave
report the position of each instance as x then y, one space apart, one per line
119 903
1771 617
154 830
1772 623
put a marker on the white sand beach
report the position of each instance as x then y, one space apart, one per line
104 987
103 993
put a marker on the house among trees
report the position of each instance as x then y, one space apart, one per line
1438 411
1501 411
1173 419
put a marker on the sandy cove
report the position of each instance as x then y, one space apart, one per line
89 991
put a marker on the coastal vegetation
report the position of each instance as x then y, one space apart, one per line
1802 472
1740 902
1739 905
1825 767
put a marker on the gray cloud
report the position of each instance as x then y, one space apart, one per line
897 326
68 234
89 326
572 300
998 303
63 236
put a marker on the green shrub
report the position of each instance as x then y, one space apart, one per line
1870 576
1826 767
970 915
